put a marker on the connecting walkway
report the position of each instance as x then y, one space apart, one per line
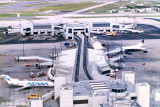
81 71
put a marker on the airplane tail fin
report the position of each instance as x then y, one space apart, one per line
7 78
141 43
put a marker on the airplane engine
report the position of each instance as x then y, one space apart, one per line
128 53
145 51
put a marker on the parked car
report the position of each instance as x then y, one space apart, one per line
39 74
32 75
30 96
70 44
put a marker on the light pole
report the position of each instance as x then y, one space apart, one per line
55 53
121 41
61 46
52 56
23 47
107 48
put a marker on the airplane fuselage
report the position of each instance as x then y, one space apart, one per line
32 83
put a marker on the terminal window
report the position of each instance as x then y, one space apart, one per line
101 24
42 27
70 31
80 102
133 98
119 90
56 28
115 26
86 30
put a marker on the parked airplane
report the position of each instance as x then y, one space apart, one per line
41 61
12 31
128 25
26 84
135 48
127 50
132 30
47 62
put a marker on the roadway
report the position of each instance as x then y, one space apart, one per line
79 41
131 15
85 67
92 7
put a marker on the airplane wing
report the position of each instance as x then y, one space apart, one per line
18 89
117 50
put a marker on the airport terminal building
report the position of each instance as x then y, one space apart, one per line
41 29
69 30
104 94
74 29
100 26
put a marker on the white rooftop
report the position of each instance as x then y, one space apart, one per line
66 63
76 25
97 56
67 57
84 88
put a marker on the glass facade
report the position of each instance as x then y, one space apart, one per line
70 31
56 28
80 102
101 24
116 26
119 90
86 30
42 26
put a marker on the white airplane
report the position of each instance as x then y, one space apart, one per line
128 25
127 50
133 30
26 84
12 31
135 48
25 58
47 62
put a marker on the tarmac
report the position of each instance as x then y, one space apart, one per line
8 51
144 65
150 72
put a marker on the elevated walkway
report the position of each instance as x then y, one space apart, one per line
81 72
